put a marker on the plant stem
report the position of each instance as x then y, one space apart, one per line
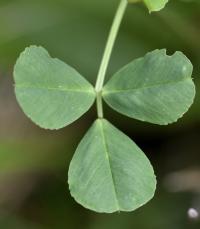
99 105
107 54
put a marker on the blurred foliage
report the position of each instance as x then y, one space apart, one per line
34 162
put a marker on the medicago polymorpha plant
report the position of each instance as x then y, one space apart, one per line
108 171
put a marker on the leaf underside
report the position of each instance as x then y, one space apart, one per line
109 173
155 5
49 91
156 88
152 5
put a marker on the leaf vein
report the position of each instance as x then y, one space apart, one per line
145 87
54 88
109 164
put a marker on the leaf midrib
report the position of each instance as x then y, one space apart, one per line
109 164
61 89
145 87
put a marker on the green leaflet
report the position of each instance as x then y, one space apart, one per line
49 91
156 88
155 5
109 172
152 5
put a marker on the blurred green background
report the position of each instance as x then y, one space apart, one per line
34 162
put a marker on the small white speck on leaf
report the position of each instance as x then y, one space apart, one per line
184 68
